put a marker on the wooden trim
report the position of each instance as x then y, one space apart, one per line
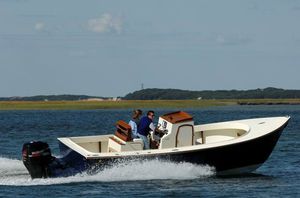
178 131
177 117
202 137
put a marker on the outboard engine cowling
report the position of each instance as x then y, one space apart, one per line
36 158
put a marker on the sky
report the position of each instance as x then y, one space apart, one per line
112 47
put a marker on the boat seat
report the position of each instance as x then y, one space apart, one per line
117 140
115 144
139 141
122 140
123 131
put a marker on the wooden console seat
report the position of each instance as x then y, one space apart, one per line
122 140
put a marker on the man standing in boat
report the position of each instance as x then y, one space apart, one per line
145 126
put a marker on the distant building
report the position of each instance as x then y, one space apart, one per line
94 99
116 99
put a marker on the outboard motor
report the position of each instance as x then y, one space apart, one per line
36 158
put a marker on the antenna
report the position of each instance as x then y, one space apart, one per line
142 86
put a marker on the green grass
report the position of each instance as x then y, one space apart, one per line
85 105
81 105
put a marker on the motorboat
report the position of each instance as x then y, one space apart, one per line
231 147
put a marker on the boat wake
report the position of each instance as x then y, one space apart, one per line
13 173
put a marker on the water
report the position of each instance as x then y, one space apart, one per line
278 177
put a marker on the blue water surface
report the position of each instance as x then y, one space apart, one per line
278 177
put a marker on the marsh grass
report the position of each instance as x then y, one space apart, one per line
81 105
125 104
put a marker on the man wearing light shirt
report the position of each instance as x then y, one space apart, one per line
134 122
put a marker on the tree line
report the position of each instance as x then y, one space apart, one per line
66 97
177 94
174 94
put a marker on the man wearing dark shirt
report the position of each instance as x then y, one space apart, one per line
145 126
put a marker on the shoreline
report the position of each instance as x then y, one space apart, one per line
267 103
127 104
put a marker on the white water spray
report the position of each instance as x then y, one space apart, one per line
13 173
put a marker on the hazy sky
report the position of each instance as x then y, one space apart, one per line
109 48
